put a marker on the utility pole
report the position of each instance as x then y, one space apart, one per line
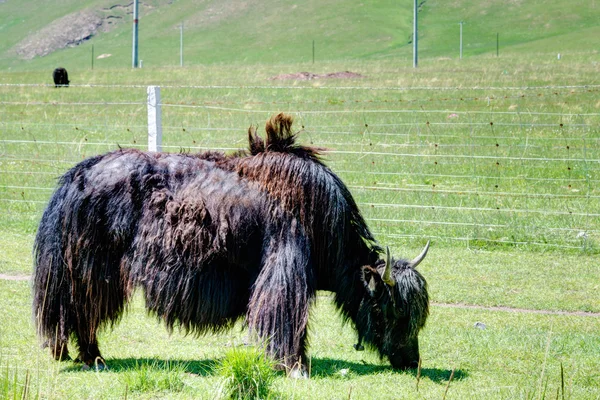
415 35
181 45
134 55
461 46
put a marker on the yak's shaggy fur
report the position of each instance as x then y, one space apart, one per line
211 238
60 77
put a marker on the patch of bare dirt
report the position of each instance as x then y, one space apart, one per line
69 30
74 29
518 310
307 76
8 277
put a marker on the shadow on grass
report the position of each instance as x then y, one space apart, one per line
327 367
320 367
196 367
440 375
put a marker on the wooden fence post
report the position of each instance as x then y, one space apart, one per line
154 119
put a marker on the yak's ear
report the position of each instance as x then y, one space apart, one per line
370 279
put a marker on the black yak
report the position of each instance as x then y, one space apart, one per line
61 77
211 238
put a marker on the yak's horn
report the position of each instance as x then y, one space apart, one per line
387 273
420 257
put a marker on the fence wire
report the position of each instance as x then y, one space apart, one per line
481 166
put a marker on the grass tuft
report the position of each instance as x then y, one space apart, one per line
155 377
247 373
13 386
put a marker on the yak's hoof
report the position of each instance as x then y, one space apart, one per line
97 364
96 367
359 347
298 373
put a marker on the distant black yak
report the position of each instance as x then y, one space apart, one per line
211 238
61 77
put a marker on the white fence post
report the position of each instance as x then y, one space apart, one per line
154 119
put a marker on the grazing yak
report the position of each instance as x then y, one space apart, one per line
61 77
211 238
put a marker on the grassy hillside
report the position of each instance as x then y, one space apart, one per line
524 27
250 32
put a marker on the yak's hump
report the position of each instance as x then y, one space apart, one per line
280 138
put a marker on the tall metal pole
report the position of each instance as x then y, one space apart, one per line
461 47
181 45
415 36
134 55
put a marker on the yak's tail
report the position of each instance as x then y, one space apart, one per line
77 281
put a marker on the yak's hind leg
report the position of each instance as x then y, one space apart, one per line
100 296
281 296
98 304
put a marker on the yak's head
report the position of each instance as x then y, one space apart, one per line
394 309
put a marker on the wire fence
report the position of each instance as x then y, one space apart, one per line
479 167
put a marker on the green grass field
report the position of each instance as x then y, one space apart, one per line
496 160
482 154
503 250
518 355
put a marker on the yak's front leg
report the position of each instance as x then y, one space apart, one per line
281 296
89 353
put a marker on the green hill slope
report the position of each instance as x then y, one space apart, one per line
268 31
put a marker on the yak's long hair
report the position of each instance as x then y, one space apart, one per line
208 237
60 77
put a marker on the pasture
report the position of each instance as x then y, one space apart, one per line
496 160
